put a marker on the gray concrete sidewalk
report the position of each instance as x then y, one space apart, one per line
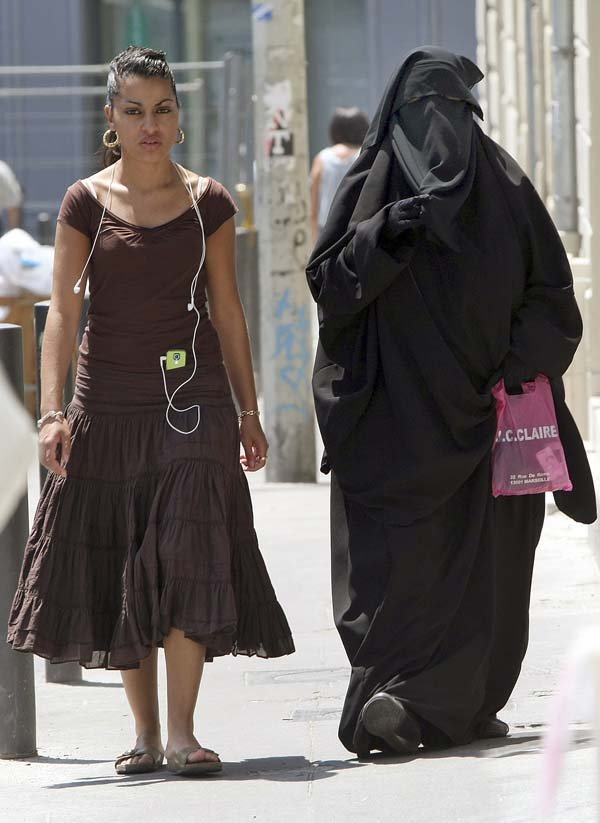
274 722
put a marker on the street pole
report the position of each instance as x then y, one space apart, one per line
564 123
55 672
282 199
17 689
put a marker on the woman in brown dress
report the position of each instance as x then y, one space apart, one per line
143 536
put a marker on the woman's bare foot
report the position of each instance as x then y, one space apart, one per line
176 744
144 741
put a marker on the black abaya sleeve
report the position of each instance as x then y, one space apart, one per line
364 265
547 327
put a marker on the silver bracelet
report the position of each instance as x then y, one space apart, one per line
53 416
248 413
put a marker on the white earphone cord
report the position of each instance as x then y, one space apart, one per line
77 286
190 306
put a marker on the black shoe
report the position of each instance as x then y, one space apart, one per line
385 717
492 727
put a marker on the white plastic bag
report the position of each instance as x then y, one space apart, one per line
24 264
10 191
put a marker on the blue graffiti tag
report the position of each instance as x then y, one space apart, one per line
295 408
291 341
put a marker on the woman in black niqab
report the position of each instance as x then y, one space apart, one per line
438 272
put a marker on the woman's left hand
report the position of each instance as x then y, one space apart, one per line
254 443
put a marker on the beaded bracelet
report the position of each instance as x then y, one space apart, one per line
248 413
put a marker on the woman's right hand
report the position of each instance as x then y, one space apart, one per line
54 445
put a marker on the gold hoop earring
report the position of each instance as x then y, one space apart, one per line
111 144
181 136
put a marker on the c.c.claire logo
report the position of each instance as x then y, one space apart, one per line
523 435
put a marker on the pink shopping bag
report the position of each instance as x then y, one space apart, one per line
527 457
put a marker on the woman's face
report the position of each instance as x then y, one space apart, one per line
146 117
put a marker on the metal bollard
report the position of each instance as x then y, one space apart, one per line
55 672
45 228
17 686
249 287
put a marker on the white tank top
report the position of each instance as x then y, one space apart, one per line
333 169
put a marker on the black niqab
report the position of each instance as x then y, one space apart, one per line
435 157
434 146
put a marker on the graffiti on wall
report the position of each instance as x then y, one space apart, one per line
292 349
279 137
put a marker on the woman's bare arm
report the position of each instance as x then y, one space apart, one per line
315 196
70 254
228 318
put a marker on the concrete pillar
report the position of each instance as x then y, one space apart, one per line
55 672
508 73
283 230
194 116
520 11
231 134
593 103
481 54
563 125
541 97
17 687
546 53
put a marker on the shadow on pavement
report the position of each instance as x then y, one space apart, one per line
283 769
514 745
63 761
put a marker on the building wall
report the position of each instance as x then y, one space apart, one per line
587 42
394 28
523 108
337 63
42 138
353 47
52 141
513 50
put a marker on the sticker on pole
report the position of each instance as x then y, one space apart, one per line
279 137
262 11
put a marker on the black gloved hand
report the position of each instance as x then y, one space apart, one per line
405 214
515 372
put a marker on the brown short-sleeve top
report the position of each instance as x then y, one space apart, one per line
139 280
79 208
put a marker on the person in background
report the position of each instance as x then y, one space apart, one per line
11 199
347 130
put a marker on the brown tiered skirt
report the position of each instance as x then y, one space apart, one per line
150 530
